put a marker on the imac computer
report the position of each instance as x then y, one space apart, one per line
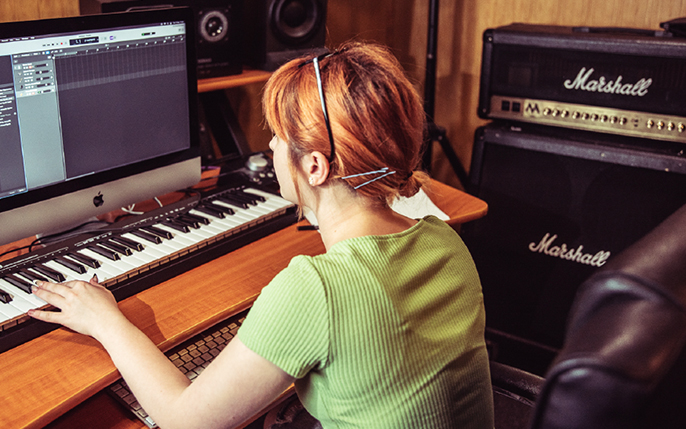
96 113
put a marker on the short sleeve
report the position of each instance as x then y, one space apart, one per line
289 322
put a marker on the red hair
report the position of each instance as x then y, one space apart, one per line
376 116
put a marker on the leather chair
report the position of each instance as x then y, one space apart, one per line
623 364
514 395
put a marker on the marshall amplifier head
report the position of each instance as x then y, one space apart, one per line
218 33
561 203
619 81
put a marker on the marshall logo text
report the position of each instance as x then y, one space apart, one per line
584 82
562 251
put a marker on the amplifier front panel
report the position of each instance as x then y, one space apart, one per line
590 118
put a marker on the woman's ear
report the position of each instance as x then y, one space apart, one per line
316 168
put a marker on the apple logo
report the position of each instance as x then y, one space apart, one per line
98 200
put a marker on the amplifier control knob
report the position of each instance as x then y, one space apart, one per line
585 116
623 120
257 163
603 118
576 114
613 119
670 126
594 117
681 127
660 125
564 113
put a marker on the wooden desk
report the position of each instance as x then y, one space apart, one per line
62 371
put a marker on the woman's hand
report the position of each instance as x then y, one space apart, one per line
85 307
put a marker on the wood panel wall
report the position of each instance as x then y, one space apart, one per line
402 24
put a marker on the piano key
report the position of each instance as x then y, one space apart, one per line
188 222
186 239
209 211
54 275
30 276
240 213
76 267
109 254
8 311
5 297
198 219
19 283
272 200
175 225
233 201
69 274
110 268
116 247
20 294
86 260
152 238
156 249
260 198
245 198
128 242
158 232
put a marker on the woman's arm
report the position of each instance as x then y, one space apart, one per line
238 383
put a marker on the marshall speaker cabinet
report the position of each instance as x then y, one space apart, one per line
629 82
218 32
561 202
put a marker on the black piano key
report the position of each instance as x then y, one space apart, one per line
31 276
147 236
259 198
131 244
86 260
210 211
53 275
226 210
158 232
5 297
116 247
21 284
197 219
242 196
72 265
176 225
187 222
109 254
233 201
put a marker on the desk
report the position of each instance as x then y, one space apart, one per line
62 371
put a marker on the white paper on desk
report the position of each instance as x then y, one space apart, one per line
415 207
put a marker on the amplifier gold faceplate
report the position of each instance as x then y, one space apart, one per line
590 118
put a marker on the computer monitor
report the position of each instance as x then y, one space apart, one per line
96 113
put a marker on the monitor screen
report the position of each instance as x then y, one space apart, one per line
96 112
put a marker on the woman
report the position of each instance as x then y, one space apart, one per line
383 330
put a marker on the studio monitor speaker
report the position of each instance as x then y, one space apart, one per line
561 203
218 31
277 31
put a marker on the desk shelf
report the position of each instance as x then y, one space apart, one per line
224 82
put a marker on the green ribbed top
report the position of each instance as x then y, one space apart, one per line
381 331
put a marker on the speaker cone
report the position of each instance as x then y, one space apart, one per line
295 21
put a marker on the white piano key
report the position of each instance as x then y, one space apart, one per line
19 294
7 312
272 199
